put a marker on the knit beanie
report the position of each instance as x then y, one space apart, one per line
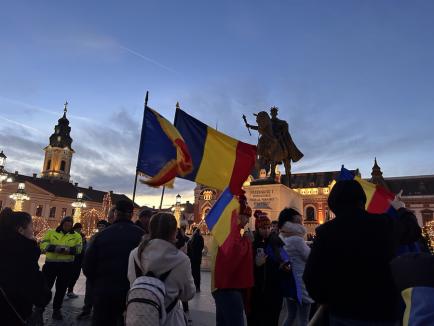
261 220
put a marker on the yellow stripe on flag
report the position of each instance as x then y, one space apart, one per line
368 188
222 228
406 295
218 160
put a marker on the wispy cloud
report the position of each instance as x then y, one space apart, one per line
21 124
137 54
37 108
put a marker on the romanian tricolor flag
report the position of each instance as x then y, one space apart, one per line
219 161
220 216
419 302
163 154
231 254
377 198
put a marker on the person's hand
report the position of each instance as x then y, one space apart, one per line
248 235
50 248
260 259
397 203
285 267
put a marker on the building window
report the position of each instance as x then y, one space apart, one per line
62 166
64 212
48 164
310 213
207 195
52 212
38 211
427 216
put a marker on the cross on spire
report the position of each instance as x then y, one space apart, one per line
65 109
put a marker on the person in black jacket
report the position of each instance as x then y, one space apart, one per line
194 251
348 268
267 298
106 265
22 284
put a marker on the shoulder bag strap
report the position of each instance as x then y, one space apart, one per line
137 268
12 307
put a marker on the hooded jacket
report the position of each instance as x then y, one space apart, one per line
292 234
348 267
160 256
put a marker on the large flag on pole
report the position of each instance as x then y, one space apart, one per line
219 161
163 154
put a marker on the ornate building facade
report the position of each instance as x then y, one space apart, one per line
52 195
418 195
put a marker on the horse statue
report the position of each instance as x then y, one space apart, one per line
275 145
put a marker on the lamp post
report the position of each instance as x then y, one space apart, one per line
177 209
78 205
3 173
20 196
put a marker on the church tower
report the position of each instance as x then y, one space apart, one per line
377 175
58 154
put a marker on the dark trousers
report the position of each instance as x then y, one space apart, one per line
195 272
88 297
59 273
75 273
229 307
265 308
108 310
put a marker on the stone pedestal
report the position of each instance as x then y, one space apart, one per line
272 198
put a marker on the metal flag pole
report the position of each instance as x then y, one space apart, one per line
141 143
162 196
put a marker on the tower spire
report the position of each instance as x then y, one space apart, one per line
65 108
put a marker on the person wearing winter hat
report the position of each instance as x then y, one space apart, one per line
232 269
266 299
60 247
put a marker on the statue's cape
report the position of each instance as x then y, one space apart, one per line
280 131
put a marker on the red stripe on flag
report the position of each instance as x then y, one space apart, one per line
380 202
244 162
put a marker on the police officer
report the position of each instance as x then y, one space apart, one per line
60 246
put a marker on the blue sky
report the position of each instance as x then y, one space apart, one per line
355 79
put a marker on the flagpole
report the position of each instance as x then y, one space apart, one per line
141 140
162 196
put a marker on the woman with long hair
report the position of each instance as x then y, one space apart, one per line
159 255
22 284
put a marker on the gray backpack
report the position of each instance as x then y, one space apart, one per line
145 300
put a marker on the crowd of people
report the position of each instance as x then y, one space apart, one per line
354 271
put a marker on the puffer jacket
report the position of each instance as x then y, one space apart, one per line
298 252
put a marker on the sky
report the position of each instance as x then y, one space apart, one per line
355 80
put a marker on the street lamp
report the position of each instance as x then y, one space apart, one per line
78 205
20 196
177 209
3 173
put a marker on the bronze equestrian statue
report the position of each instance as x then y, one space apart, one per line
275 145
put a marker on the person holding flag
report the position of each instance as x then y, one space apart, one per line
232 258
348 267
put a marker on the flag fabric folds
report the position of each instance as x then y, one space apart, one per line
231 254
163 154
218 160
377 198
419 306
219 217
